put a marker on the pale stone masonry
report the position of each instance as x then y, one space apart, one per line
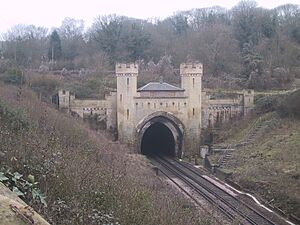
184 110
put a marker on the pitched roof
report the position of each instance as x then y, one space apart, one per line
159 86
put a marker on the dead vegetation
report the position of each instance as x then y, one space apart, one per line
86 178
268 166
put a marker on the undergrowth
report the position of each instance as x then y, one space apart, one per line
85 178
269 165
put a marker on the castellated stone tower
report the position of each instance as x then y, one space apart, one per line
64 100
159 118
126 91
248 101
191 82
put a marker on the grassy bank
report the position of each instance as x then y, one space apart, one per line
269 166
85 178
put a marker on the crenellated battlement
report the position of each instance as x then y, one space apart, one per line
127 68
182 112
63 92
191 69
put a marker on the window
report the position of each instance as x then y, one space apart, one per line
120 97
193 82
64 92
193 111
127 81
127 113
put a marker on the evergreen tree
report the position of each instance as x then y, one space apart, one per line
137 42
54 51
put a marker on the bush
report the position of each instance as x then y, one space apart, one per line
13 76
86 178
46 86
267 103
5 65
289 106
15 117
90 88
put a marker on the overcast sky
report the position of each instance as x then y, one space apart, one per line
50 13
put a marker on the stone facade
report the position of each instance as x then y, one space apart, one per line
217 110
183 110
105 110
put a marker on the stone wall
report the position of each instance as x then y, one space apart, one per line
103 110
192 108
222 109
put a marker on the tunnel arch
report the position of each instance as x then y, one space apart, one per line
172 126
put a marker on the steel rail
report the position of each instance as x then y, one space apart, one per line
232 204
233 197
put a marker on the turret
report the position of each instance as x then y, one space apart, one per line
64 100
248 101
126 91
191 82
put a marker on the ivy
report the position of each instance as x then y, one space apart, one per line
25 188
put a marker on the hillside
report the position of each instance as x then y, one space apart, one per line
269 164
84 177
246 46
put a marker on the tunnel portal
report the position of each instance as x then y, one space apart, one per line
158 140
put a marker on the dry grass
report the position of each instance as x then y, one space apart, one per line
270 167
86 178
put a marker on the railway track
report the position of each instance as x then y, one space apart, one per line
232 207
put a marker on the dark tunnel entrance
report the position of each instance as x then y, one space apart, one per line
158 140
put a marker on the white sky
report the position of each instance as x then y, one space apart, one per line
50 13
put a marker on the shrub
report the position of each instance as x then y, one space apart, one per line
289 106
4 65
267 103
15 117
46 86
25 188
13 76
85 177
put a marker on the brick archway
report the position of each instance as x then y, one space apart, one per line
175 126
